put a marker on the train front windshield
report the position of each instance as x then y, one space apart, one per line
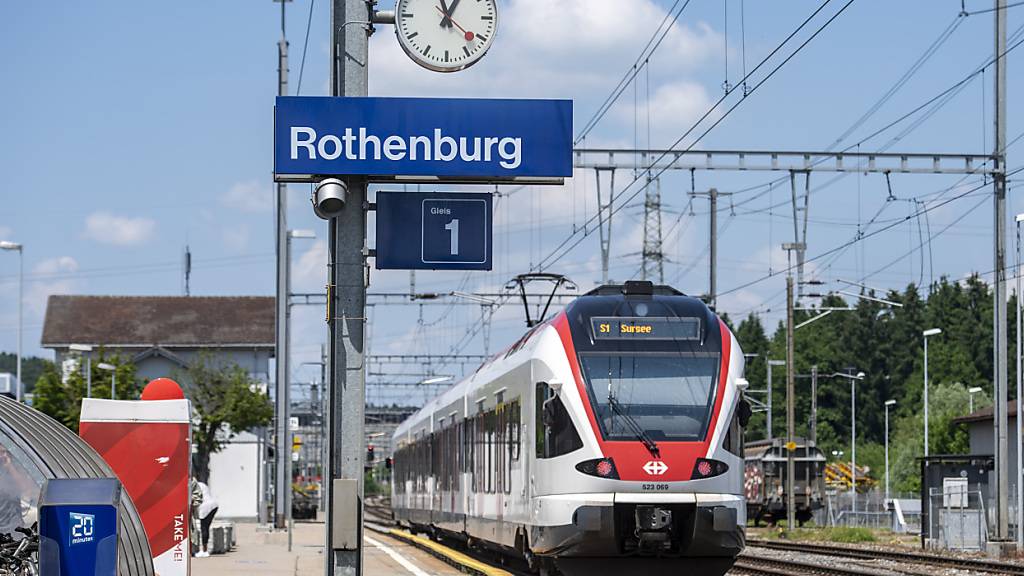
668 396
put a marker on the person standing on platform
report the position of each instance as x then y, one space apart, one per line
207 511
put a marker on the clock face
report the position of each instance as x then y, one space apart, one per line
446 35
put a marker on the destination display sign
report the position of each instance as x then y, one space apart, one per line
629 328
443 138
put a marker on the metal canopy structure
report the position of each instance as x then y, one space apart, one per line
796 162
424 358
430 299
784 161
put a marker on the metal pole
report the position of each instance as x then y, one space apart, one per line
887 451
350 34
323 428
113 384
853 443
713 195
790 433
769 413
287 461
925 396
88 376
1019 532
282 483
999 285
21 299
814 405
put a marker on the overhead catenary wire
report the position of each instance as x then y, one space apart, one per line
937 102
568 244
860 238
987 10
650 48
305 46
934 47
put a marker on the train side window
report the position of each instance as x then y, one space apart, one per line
514 430
734 435
556 434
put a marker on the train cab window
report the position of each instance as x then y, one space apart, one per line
668 396
556 434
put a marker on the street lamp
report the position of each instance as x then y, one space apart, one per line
771 363
284 435
888 403
15 247
114 377
853 432
926 334
86 350
970 395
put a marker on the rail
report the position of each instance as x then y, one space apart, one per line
979 565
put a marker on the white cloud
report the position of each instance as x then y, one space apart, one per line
249 196
570 49
236 238
47 279
674 107
5 232
310 271
107 228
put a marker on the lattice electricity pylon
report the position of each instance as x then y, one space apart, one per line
653 256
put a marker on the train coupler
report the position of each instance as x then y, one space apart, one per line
653 528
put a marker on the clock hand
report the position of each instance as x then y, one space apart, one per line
468 34
451 11
447 20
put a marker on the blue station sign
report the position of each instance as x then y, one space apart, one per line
442 138
434 231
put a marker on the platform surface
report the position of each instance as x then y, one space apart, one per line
263 553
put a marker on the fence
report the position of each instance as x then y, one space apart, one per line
958 518
901 513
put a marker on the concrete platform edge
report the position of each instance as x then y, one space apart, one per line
457 559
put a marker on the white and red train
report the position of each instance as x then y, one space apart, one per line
609 436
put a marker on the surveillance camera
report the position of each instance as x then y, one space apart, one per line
329 198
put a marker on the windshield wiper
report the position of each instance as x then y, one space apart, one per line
638 430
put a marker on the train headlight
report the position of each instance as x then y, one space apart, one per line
600 467
706 468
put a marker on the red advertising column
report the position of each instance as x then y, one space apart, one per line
148 445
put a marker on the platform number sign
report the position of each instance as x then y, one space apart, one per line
437 231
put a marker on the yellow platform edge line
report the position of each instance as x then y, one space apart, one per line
446 553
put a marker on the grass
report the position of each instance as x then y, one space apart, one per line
840 534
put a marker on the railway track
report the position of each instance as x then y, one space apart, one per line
918 558
763 566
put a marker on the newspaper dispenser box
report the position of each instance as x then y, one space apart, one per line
78 526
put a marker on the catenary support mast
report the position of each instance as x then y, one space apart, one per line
346 311
999 284
282 435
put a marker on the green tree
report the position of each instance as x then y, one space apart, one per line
32 367
61 398
755 345
225 401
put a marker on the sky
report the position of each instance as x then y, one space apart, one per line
132 130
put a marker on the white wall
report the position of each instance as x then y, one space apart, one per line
234 478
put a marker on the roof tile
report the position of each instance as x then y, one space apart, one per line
170 321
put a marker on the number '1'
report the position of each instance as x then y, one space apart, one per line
453 227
